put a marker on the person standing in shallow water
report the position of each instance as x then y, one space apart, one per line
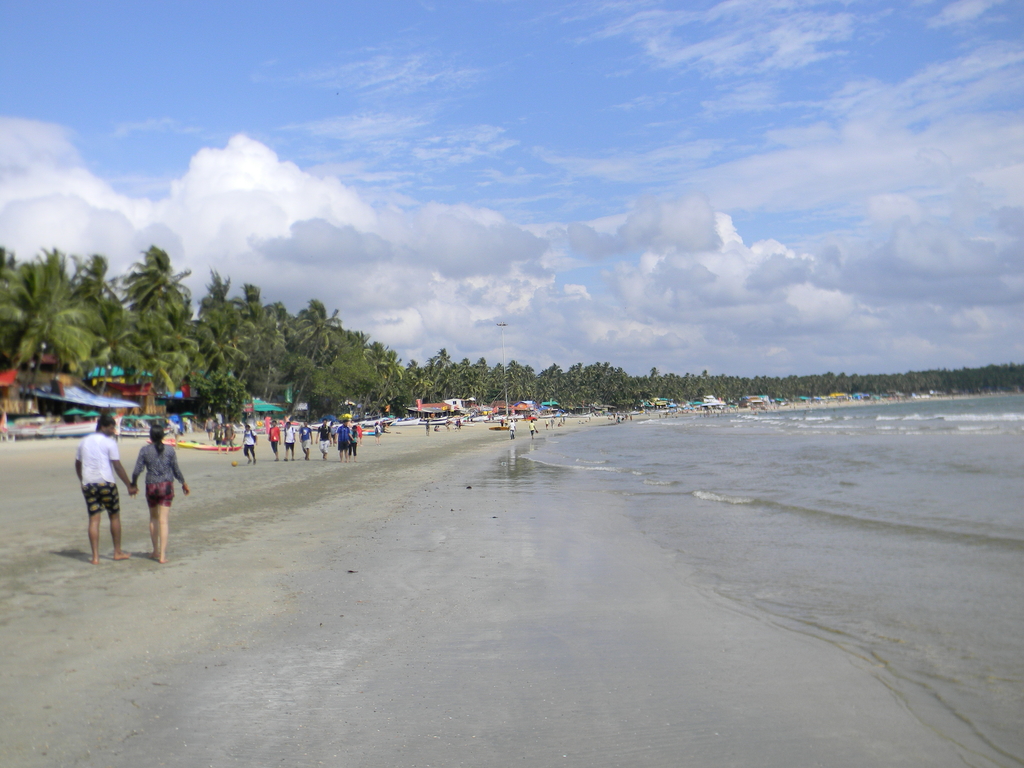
96 461
161 465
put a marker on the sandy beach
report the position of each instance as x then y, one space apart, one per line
416 608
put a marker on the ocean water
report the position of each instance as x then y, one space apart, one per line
893 531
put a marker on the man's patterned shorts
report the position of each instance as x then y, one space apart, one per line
100 496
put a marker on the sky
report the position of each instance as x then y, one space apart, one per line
745 187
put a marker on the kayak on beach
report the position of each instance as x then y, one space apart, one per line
214 448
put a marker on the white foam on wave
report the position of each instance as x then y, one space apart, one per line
657 482
572 466
709 496
909 417
984 417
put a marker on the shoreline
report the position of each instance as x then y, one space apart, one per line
118 657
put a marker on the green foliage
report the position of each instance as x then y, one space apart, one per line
239 347
40 314
219 392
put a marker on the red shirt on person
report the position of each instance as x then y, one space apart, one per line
274 435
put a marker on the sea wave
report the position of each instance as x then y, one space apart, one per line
577 466
983 417
908 417
709 496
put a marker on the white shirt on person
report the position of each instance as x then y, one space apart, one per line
95 452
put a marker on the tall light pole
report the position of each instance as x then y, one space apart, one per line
504 370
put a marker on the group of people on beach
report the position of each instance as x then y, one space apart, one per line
345 435
98 460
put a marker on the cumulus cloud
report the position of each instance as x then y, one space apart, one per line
683 225
668 282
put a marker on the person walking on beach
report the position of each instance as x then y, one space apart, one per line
229 434
161 465
343 440
274 436
353 440
512 429
249 444
376 432
289 440
324 433
305 438
96 462
533 430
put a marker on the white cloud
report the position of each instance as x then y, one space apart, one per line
921 138
961 11
387 73
677 287
153 125
740 36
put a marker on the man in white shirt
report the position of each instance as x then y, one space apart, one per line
289 440
96 461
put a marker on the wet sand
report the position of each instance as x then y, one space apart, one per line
385 614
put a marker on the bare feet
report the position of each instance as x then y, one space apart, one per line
121 555
95 561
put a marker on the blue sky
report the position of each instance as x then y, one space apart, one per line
776 186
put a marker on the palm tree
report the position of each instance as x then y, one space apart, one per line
388 371
216 297
317 332
90 283
166 345
153 285
221 335
39 314
114 329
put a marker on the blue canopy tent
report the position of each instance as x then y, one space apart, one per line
80 396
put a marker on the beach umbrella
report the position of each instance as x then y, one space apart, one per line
261 407
90 413
188 413
74 412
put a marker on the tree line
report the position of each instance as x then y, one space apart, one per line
232 347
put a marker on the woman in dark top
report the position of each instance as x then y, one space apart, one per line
161 465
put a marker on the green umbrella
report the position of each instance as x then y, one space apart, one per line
262 407
74 412
188 413
90 413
